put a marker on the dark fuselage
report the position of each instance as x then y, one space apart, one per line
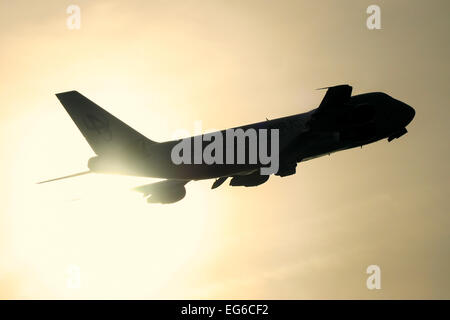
366 118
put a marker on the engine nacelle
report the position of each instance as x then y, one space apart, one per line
287 169
251 180
166 195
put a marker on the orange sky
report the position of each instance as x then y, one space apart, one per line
160 66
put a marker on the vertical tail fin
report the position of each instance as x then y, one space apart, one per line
105 133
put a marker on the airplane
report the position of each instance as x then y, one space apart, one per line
340 122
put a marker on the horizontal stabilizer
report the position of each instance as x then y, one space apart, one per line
65 177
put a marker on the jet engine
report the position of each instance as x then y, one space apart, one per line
287 169
251 180
168 195
167 191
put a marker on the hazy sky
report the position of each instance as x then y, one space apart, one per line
162 65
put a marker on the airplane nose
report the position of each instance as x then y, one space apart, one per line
408 113
402 114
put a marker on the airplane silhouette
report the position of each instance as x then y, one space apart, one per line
341 122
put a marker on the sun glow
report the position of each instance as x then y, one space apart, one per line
94 222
